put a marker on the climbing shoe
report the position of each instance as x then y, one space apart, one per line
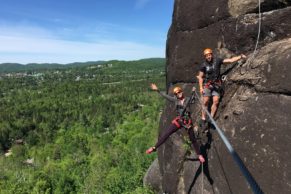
210 181
210 125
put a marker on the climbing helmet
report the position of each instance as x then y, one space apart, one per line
207 51
177 90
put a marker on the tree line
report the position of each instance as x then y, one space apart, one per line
69 132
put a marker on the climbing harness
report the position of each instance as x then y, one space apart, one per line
181 121
223 78
184 117
252 182
213 85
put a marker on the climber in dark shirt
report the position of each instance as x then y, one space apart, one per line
210 80
182 120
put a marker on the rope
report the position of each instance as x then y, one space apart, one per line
252 182
259 32
222 168
202 189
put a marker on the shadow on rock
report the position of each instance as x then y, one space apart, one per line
205 144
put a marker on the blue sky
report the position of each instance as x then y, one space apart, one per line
65 31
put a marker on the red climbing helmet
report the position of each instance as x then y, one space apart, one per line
177 90
207 51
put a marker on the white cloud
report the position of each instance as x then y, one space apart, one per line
27 49
27 44
19 30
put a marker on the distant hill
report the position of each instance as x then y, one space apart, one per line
16 67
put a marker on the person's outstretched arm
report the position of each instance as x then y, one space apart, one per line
168 97
234 59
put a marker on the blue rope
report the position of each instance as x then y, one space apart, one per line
252 182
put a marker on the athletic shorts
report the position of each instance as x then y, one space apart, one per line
208 92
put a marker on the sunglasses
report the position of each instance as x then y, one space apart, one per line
178 92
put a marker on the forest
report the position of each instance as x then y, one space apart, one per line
79 129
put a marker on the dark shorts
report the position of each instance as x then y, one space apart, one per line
207 92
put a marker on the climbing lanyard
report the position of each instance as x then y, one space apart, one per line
252 182
202 189
259 32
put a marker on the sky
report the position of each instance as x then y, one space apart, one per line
65 31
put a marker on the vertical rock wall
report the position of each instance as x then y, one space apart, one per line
256 108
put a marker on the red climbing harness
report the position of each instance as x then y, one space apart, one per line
213 84
182 122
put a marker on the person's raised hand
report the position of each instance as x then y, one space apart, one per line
243 56
154 87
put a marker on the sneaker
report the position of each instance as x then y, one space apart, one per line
210 181
211 126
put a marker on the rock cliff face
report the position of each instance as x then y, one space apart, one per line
256 108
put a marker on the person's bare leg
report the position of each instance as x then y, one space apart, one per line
205 102
214 105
